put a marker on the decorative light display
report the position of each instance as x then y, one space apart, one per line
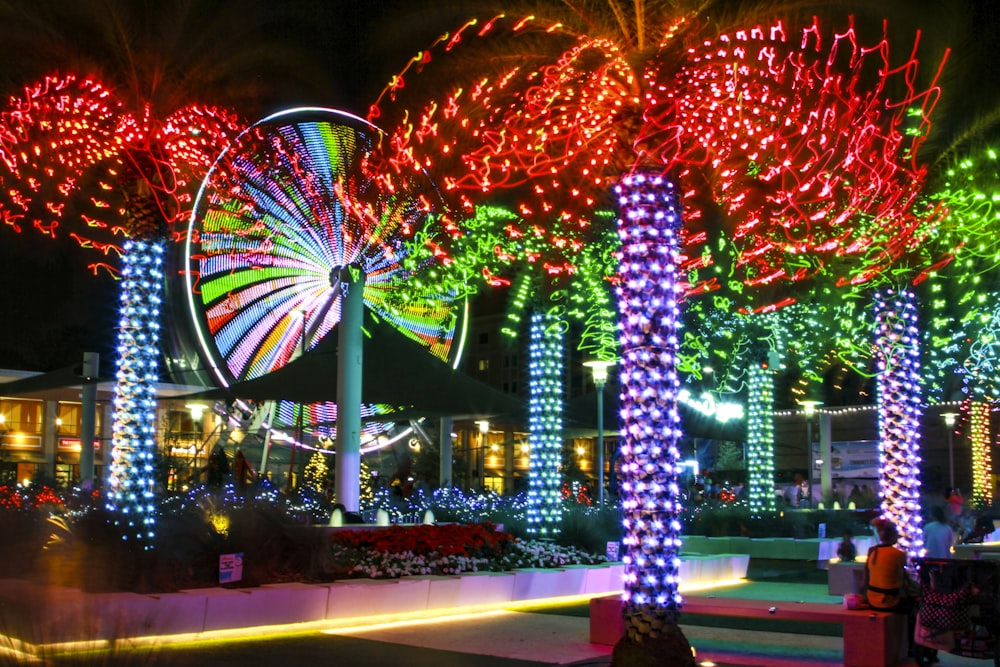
962 294
63 128
811 160
280 213
278 216
65 132
545 373
648 294
760 440
131 495
982 367
982 388
899 410
315 473
982 455
810 155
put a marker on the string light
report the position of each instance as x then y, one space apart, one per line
899 410
982 455
545 347
648 295
760 440
131 482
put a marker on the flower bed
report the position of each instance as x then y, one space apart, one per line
449 549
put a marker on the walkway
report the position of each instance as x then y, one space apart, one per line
542 636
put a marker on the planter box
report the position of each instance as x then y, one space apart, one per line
45 615
375 597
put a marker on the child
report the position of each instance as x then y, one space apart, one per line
846 549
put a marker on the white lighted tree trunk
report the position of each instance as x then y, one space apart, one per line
760 440
545 353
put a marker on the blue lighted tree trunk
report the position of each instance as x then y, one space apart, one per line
545 358
648 300
897 350
131 495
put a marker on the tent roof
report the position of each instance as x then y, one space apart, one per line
396 371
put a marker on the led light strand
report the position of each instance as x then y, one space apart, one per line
648 295
760 440
982 457
899 410
131 494
544 512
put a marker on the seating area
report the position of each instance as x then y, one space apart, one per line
871 638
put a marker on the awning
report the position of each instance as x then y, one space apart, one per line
396 371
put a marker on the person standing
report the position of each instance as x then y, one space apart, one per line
953 496
939 537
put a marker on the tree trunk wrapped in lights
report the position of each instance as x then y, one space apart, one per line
545 424
897 349
648 302
982 385
131 494
760 440
982 455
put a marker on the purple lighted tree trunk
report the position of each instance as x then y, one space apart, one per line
648 303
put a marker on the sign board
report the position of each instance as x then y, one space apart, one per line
851 459
612 551
230 568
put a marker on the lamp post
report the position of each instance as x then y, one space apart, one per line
600 371
949 422
484 428
809 408
197 411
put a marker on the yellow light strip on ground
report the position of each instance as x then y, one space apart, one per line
354 624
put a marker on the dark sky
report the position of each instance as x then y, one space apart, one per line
53 309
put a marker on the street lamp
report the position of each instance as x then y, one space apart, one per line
600 371
484 428
809 408
949 422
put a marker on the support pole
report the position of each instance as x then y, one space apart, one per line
444 441
88 418
349 374
826 455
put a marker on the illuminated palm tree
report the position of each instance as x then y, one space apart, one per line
115 150
781 131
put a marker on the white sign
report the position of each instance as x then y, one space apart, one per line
230 568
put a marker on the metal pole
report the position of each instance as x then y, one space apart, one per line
349 376
809 448
88 418
600 444
951 459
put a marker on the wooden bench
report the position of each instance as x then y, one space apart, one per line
871 638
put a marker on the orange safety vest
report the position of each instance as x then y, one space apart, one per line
885 576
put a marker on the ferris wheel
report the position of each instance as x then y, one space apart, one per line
280 216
